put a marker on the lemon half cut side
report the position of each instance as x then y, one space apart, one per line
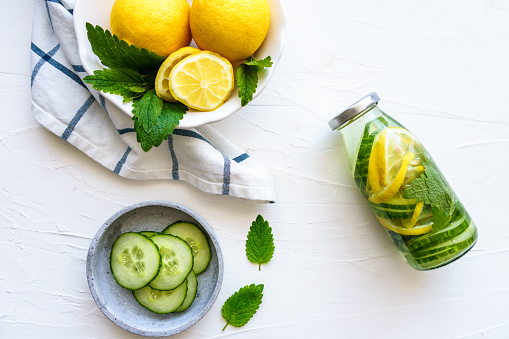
162 79
202 81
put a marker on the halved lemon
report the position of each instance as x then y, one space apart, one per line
162 78
395 226
202 81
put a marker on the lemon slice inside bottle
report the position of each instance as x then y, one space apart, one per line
409 223
390 165
202 81
396 226
162 82
386 193
395 143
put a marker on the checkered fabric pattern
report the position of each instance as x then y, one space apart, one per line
71 109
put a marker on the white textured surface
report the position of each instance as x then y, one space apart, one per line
441 68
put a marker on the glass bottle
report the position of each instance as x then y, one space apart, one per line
404 187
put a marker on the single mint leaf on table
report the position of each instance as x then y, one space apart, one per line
114 52
155 119
122 81
247 77
239 308
260 242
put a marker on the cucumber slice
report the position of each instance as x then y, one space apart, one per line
451 252
176 262
198 241
149 234
161 301
459 224
192 288
134 260
398 208
458 243
371 130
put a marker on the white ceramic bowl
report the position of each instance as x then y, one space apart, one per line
97 12
118 303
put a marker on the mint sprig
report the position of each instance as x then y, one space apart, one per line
247 77
432 189
260 242
155 119
114 52
239 308
131 74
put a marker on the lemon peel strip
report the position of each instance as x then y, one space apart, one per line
409 223
387 193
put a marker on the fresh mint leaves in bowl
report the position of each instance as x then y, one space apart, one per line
121 304
97 13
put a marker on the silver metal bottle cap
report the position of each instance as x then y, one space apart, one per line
368 101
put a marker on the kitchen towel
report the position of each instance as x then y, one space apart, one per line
71 109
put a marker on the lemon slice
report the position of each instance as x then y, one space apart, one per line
395 226
385 194
202 81
396 142
382 158
373 168
409 223
162 78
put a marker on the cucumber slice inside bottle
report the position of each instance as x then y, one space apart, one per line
198 241
161 301
176 262
458 243
192 288
460 223
396 208
134 260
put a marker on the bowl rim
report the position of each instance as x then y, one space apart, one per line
94 290
202 118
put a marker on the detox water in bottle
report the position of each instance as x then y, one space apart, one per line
403 186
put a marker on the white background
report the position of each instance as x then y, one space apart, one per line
441 69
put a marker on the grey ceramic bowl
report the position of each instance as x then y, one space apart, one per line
118 303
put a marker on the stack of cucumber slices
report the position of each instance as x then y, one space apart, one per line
161 267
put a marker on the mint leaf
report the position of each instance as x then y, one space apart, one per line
259 63
147 110
129 95
418 190
242 305
155 119
430 188
122 81
440 218
247 77
114 52
260 242
247 81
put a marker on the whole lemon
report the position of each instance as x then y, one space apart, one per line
161 26
234 29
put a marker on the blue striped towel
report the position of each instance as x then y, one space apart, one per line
66 106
